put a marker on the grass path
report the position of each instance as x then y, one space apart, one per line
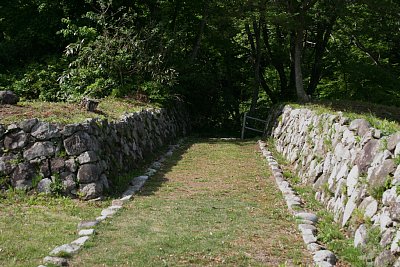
213 204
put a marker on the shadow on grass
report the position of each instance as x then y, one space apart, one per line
154 183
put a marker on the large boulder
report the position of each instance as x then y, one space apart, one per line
360 126
377 175
40 149
8 97
79 143
16 140
88 173
8 164
367 154
91 191
23 175
45 131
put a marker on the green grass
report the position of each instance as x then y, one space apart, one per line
109 108
213 203
380 117
33 225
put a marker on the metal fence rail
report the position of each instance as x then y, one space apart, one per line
244 127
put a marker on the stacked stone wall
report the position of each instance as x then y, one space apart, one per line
82 159
354 169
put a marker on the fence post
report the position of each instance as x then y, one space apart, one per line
244 125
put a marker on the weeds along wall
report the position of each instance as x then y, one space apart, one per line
353 168
82 159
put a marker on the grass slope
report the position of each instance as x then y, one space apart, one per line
109 108
214 203
33 225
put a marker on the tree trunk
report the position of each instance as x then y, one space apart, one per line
268 90
199 36
256 56
323 36
276 61
301 94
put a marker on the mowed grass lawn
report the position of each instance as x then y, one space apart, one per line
214 203
33 225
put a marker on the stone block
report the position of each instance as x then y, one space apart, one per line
360 126
88 173
91 191
16 140
87 157
8 97
45 131
27 125
79 143
39 149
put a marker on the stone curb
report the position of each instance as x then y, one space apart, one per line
306 220
60 255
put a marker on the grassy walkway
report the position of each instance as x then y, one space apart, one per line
214 203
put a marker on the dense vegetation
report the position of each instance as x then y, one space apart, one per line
222 57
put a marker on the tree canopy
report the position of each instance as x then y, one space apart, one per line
221 57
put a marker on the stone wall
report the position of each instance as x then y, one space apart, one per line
354 169
82 159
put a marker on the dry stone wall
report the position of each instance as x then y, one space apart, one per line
354 169
81 159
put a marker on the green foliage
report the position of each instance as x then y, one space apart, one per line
377 192
329 231
35 180
328 144
202 52
115 53
4 181
291 177
326 190
56 187
330 234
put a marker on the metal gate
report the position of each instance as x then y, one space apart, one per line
244 127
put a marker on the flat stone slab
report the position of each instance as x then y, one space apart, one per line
324 255
138 182
156 165
85 232
307 216
323 264
117 202
307 227
309 238
101 218
87 224
110 211
314 247
66 249
150 172
126 198
80 241
129 192
69 248
58 261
